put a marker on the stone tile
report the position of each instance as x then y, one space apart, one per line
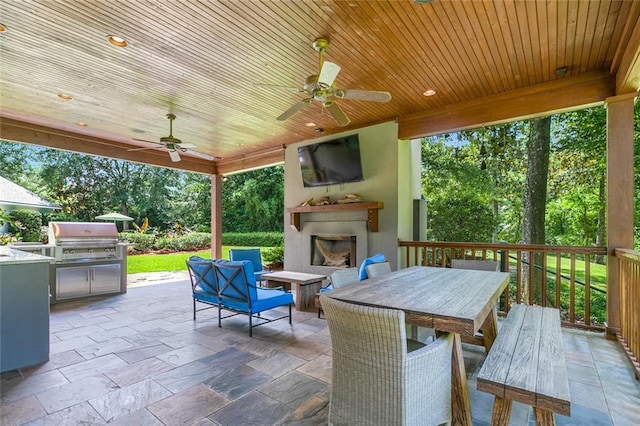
625 412
74 393
587 396
77 332
581 415
276 363
58 327
580 373
581 358
56 361
138 418
129 399
104 335
293 388
271 412
137 372
312 413
151 325
104 348
20 411
188 406
226 360
117 320
80 414
31 385
87 319
70 344
183 377
139 353
92 367
307 349
184 355
238 381
319 367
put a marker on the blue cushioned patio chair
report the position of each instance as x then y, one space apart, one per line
203 284
253 255
376 258
238 293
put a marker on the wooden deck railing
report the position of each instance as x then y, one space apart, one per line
564 277
629 336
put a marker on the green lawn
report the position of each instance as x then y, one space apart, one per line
167 262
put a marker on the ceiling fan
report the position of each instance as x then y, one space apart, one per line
321 88
174 146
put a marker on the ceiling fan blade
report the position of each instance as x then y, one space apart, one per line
366 95
173 153
144 149
200 154
294 108
337 113
186 145
328 73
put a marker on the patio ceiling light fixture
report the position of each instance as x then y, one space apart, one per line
65 96
3 28
117 41
429 92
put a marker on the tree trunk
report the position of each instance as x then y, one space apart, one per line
535 201
600 232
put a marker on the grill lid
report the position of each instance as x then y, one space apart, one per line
61 233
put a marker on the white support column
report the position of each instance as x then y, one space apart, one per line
620 206
216 216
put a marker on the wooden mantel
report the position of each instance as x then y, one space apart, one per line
372 208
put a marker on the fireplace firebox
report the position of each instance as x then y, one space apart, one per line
338 251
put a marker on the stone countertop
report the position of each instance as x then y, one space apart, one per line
9 256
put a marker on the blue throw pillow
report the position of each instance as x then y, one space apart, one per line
376 258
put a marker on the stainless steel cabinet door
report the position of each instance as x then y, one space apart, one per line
105 279
72 282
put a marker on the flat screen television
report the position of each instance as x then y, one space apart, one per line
331 162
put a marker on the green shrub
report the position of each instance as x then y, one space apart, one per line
274 255
140 242
30 224
253 239
188 242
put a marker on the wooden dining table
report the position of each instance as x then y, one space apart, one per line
457 301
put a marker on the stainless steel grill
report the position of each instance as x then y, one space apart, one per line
89 260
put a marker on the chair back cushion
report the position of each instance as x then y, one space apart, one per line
235 280
343 276
253 255
376 258
201 274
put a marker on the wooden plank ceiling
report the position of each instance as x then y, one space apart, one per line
212 64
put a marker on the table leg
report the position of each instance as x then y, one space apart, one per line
489 330
305 295
461 408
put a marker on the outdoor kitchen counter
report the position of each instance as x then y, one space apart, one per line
9 256
24 309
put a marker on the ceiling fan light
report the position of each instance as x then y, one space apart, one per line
429 92
310 124
175 157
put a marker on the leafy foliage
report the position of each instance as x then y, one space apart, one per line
27 225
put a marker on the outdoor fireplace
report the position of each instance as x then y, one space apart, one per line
338 251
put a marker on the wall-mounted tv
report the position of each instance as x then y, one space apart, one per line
331 162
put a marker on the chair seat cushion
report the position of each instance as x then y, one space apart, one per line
267 299
327 288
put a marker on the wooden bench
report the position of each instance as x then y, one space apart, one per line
526 364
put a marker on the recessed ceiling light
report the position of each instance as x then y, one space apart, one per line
81 124
429 92
65 96
137 130
2 28
117 41
310 124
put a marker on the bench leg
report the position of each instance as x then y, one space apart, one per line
543 417
501 412
489 330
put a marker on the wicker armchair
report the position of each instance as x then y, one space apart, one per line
477 265
377 378
377 269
